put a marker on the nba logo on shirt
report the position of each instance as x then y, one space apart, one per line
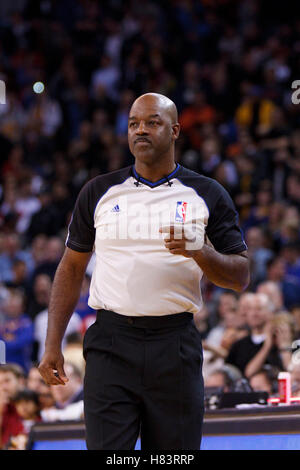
180 211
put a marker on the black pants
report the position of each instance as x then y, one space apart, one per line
143 375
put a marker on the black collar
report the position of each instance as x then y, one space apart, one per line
165 179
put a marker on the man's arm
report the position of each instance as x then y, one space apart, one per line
230 271
64 297
257 362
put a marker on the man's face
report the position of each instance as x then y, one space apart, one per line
259 383
62 393
9 384
258 313
227 303
14 306
151 131
26 409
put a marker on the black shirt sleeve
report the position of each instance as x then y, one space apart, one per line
223 224
81 234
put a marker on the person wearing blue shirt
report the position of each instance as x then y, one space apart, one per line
16 330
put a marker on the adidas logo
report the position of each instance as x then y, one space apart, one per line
116 208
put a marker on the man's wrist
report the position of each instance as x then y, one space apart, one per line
198 253
53 345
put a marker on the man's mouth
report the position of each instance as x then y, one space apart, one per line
142 140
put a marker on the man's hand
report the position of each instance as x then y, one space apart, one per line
51 368
185 240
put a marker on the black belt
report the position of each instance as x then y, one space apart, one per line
147 321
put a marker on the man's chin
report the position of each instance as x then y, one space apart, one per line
145 156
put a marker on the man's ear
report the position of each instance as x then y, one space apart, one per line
176 130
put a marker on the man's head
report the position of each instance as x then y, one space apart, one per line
42 288
243 306
14 303
219 378
63 393
55 249
27 404
275 269
12 380
261 382
255 238
152 128
227 303
260 311
273 291
36 383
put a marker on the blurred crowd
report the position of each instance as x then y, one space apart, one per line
229 67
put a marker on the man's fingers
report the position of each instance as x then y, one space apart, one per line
61 373
53 375
177 251
174 244
50 378
174 232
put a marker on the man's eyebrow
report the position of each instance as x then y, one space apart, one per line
131 118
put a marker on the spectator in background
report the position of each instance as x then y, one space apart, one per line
294 369
16 330
44 220
261 382
28 408
12 380
53 252
72 391
11 252
72 351
43 288
274 293
244 304
227 305
37 384
19 276
250 353
289 285
201 321
258 255
36 254
25 206
39 297
86 313
68 398
219 379
295 311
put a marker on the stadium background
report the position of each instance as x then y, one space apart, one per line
229 67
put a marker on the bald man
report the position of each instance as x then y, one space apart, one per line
147 224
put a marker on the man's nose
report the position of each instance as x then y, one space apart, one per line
141 128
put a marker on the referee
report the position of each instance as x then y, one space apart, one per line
155 227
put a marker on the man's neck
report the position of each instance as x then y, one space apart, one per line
259 330
154 172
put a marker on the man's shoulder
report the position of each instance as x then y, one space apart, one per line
186 173
198 181
94 189
242 342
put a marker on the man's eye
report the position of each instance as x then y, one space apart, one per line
153 123
132 124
